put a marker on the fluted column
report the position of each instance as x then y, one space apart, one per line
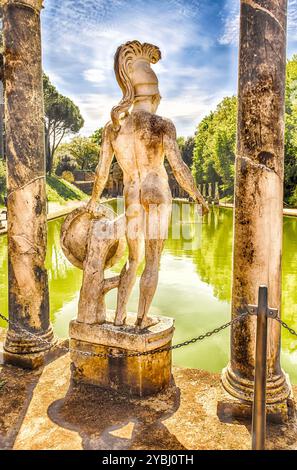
27 230
259 191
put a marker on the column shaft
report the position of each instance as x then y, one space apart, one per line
258 214
27 229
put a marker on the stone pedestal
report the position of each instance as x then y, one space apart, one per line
138 376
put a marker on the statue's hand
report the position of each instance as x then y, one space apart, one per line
205 209
92 207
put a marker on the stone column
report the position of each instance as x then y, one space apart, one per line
259 192
204 190
217 192
210 193
27 230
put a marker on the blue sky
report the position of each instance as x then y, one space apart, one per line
197 38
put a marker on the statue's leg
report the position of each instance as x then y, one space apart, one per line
134 235
157 219
149 281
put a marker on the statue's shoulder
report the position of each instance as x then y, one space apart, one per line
108 127
164 123
169 127
108 131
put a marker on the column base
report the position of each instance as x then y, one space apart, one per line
136 376
237 395
31 353
25 361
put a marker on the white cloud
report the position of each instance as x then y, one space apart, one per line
95 107
56 79
95 76
292 20
185 110
231 27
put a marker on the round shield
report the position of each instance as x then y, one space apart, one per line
75 233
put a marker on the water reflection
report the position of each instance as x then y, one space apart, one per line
194 287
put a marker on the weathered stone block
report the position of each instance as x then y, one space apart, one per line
139 376
25 361
34 360
230 408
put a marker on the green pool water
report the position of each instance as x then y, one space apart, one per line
194 285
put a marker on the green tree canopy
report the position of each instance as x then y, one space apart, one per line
186 147
291 132
214 146
82 150
96 137
215 141
62 117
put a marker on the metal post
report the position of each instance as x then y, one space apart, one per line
259 405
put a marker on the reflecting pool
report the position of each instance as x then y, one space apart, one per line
194 285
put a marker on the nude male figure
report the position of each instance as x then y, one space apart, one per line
141 140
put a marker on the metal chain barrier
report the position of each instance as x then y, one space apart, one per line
194 340
275 317
238 319
284 325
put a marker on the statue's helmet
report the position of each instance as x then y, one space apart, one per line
132 65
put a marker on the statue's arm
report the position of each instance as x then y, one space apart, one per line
102 170
180 170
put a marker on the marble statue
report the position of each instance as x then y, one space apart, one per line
94 238
140 140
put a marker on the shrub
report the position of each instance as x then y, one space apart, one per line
66 163
68 176
293 198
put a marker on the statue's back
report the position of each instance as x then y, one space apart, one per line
138 145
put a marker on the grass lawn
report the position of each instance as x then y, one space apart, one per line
60 192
